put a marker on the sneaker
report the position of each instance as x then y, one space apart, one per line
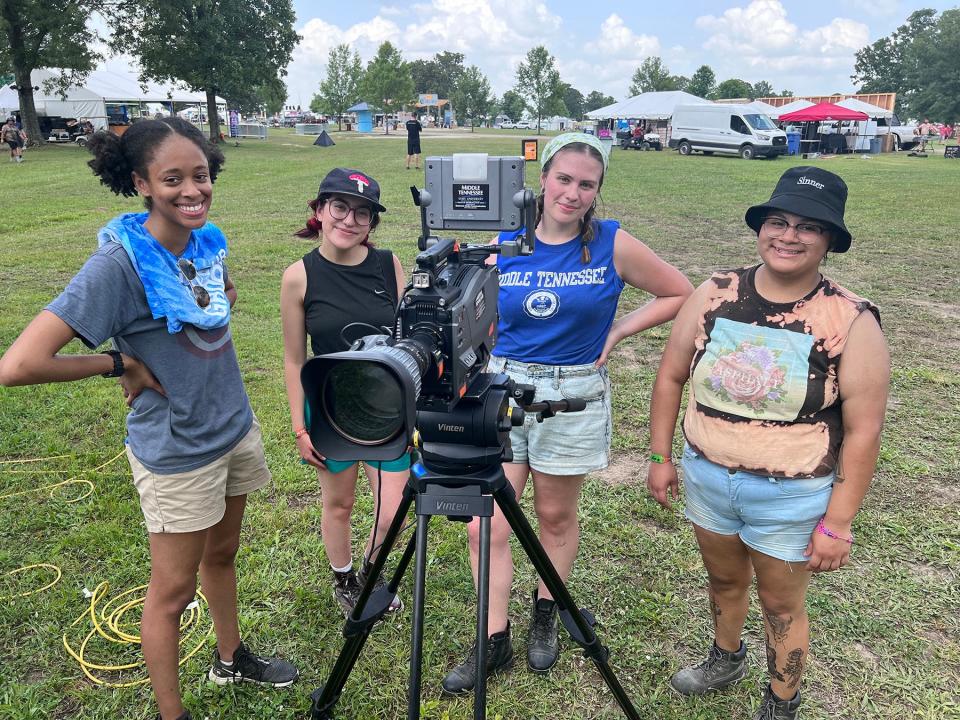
395 604
247 667
721 669
543 643
773 708
499 657
346 590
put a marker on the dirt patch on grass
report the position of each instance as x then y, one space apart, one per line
866 653
949 494
626 469
302 500
930 572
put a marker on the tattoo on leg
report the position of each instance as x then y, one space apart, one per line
794 667
715 610
779 626
772 662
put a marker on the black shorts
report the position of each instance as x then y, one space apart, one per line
413 147
14 144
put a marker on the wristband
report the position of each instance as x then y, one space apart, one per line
118 368
300 433
824 530
660 459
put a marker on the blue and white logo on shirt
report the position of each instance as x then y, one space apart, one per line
541 304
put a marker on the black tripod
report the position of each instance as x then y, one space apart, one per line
459 497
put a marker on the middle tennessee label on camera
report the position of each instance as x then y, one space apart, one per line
471 196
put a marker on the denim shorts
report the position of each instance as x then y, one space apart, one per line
569 443
775 516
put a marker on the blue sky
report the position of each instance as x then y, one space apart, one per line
807 47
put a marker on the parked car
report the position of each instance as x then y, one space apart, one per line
524 125
730 129
507 124
905 135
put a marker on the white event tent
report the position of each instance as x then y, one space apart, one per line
647 106
764 108
101 88
791 107
860 106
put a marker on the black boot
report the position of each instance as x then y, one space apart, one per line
773 708
543 643
499 657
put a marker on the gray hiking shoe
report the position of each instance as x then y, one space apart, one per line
773 708
396 603
462 678
346 590
543 643
721 669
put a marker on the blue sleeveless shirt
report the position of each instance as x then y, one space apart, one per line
554 310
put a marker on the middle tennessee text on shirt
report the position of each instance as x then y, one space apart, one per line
548 279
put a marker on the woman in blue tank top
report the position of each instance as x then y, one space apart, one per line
556 330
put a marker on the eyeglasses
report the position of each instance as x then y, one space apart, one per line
805 233
189 271
362 215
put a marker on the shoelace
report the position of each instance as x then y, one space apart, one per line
542 626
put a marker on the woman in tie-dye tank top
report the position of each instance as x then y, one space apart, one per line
788 377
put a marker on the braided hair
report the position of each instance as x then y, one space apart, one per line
588 225
117 157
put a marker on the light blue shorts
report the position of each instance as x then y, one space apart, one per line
569 443
775 516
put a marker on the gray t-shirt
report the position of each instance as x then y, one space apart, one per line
206 411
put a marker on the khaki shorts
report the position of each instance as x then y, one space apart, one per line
196 499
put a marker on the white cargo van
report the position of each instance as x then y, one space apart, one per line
731 129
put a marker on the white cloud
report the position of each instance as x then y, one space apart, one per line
760 37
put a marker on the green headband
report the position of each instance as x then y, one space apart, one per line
561 141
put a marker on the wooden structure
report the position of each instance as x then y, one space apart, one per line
883 100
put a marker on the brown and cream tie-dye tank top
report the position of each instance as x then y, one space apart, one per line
764 395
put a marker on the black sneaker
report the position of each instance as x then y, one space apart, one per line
346 590
721 669
499 657
248 667
543 643
773 708
395 604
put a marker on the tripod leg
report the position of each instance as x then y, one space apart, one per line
358 626
582 632
483 608
416 633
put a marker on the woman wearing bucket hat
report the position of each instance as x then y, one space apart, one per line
556 331
789 385
338 292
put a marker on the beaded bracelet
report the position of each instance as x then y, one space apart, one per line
824 530
659 459
300 433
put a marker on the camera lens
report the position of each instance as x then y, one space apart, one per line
361 401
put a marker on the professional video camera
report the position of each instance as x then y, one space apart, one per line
428 374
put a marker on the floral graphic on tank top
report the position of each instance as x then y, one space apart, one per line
749 374
753 371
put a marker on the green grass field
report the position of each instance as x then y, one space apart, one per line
886 633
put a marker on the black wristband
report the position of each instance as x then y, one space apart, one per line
117 364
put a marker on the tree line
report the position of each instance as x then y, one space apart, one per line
919 62
654 76
390 83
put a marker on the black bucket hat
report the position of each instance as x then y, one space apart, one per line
812 193
346 181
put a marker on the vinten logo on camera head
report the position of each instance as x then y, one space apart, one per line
426 373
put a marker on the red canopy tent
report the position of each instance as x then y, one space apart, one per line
823 111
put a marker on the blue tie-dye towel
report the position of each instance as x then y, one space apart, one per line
169 292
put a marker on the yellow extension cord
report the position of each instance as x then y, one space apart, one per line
108 623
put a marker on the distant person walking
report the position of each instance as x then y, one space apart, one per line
15 139
413 142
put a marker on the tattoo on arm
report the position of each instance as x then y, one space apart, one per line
794 667
772 662
779 626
